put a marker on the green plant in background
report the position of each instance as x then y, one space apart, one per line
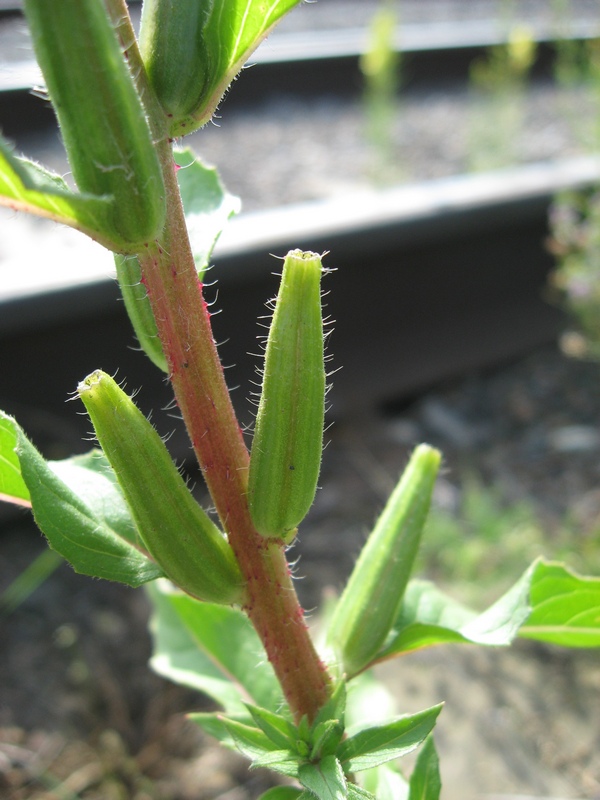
227 620
575 216
577 69
380 67
489 540
498 85
575 281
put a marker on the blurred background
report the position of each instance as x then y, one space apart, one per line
445 153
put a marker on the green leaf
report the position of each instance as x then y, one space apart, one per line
328 726
213 723
549 603
12 486
83 515
326 737
335 707
565 607
282 793
385 783
211 648
425 781
92 478
281 761
250 741
369 702
26 186
373 746
26 582
277 727
429 617
207 205
358 793
326 779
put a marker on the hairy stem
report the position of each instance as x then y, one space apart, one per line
183 323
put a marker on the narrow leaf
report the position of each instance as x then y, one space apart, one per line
565 607
250 741
425 781
279 729
326 779
373 746
213 723
193 646
282 761
358 793
335 707
28 581
326 737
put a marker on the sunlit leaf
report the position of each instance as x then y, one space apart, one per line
385 783
26 186
82 513
212 648
549 603
326 779
12 486
282 793
425 781
565 607
206 203
373 746
430 617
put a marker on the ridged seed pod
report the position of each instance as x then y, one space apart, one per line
286 450
178 534
370 602
102 120
174 53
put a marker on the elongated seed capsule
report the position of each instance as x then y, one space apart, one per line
176 531
286 450
174 53
372 597
139 310
102 121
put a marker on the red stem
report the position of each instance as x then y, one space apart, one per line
184 327
196 374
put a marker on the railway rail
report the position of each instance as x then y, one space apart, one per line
431 279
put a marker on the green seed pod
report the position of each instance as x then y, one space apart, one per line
286 450
176 531
174 53
369 604
102 120
139 310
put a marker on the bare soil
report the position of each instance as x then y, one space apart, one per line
81 714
